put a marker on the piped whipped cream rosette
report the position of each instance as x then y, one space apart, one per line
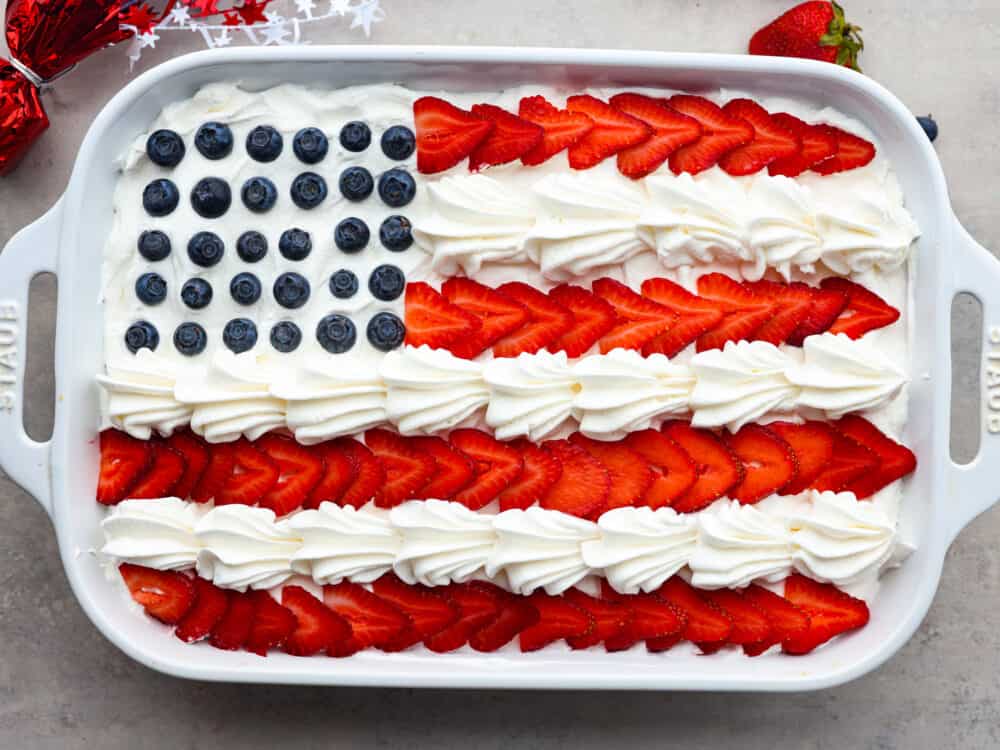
826 536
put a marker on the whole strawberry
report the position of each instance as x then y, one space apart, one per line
815 30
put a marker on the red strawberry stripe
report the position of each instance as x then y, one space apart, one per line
771 140
445 134
818 143
560 128
613 131
512 137
721 133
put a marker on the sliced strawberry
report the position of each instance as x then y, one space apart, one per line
123 460
210 605
433 321
453 471
720 134
540 471
671 130
547 321
695 316
638 319
673 470
706 623
195 455
558 618
368 473
791 303
445 134
818 143
497 466
516 614
406 468
895 460
498 314
613 131
165 594
812 444
582 488
271 626
593 317
852 152
561 128
338 473
745 311
233 628
771 140
218 471
826 306
164 472
769 463
629 473
865 311
849 462
717 468
511 138
667 642
610 618
831 612
301 470
428 611
652 618
317 627
253 475
750 625
786 620
477 605
374 621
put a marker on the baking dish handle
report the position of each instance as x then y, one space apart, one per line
31 251
975 486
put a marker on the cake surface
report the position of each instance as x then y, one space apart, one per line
514 367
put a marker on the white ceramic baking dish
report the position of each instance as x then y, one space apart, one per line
940 498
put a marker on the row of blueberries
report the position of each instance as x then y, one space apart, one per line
214 140
336 333
211 196
206 249
291 290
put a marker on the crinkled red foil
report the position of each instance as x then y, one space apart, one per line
46 36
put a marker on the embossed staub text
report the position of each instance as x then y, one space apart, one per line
8 355
992 378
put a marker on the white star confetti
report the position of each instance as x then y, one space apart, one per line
339 7
366 14
179 16
305 8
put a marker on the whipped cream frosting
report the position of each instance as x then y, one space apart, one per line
827 536
529 395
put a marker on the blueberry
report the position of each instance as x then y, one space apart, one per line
245 288
295 244
343 284
356 183
239 335
154 245
196 293
165 147
386 283
264 143
142 335
214 140
251 246
308 190
398 142
259 194
310 145
396 188
291 290
355 136
190 339
160 197
396 234
205 249
929 125
351 235
151 288
210 197
336 333
386 331
286 336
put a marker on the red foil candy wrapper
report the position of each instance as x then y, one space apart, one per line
46 37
